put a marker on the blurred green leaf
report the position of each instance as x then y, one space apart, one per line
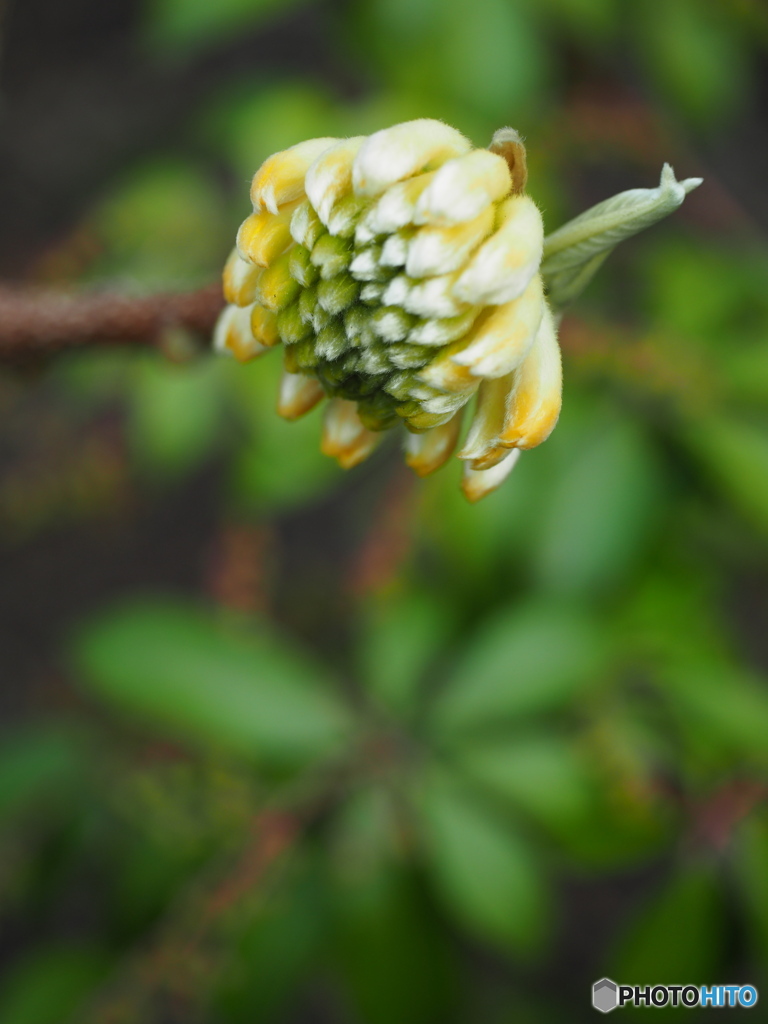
392 951
538 773
280 465
677 935
399 639
275 952
176 413
183 25
593 22
746 373
472 539
50 984
365 836
39 764
162 225
697 56
598 517
751 877
500 51
250 121
720 705
248 694
485 870
702 292
526 659
733 452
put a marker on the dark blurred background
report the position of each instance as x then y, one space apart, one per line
284 744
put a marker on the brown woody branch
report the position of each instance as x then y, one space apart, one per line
41 322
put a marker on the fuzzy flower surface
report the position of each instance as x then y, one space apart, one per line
402 273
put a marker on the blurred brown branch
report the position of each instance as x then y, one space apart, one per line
39 322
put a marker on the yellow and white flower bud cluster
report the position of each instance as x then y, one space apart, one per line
401 272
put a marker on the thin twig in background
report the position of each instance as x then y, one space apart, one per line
41 322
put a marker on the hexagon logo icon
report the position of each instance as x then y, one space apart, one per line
605 995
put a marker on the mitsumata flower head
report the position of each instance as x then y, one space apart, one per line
402 271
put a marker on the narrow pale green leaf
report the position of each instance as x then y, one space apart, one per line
483 867
247 694
525 660
576 250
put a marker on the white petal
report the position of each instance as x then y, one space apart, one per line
232 335
434 297
442 331
394 252
503 336
397 290
440 250
372 293
426 452
488 420
446 403
399 152
365 266
306 226
477 483
504 264
298 394
280 179
394 209
463 188
329 178
344 436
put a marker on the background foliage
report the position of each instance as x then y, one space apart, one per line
287 745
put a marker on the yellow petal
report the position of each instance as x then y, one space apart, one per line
344 436
439 250
276 288
399 152
426 452
329 179
463 188
502 337
534 402
264 326
263 236
502 267
298 394
239 280
280 179
477 483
